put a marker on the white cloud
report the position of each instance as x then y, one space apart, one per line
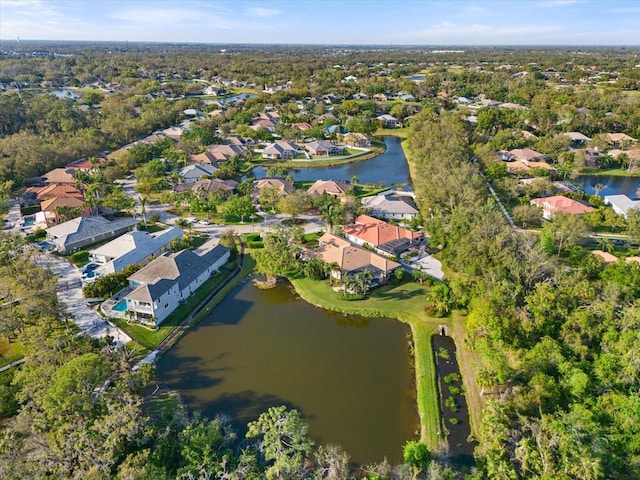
558 3
262 12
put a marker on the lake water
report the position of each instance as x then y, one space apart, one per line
350 377
235 98
613 185
386 169
63 93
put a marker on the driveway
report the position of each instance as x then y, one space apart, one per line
69 291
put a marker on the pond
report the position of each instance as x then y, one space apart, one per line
386 169
235 98
350 377
612 185
64 93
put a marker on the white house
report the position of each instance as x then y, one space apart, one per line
133 247
621 204
82 231
387 206
389 120
162 285
192 173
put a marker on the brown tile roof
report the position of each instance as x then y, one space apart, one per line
332 187
71 202
284 186
60 176
57 191
376 232
351 257
605 256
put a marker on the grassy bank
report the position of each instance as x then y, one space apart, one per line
149 339
402 302
10 351
610 172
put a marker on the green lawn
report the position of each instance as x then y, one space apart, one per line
403 302
614 172
10 351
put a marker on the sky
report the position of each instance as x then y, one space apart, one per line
359 22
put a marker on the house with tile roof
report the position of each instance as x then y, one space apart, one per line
49 210
323 148
352 259
560 204
336 188
285 187
133 247
71 236
384 237
618 140
203 188
60 176
161 286
280 150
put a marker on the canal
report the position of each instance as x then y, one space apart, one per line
386 169
350 377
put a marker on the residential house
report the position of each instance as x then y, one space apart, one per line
592 157
60 176
86 165
207 186
384 237
381 97
350 259
162 285
621 204
527 155
131 248
285 187
267 120
388 206
50 210
280 150
560 204
174 133
337 188
323 148
82 231
577 139
356 139
360 96
619 140
192 173
605 256
389 120
524 159
301 126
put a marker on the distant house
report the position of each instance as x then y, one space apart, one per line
524 159
60 176
82 231
355 139
337 188
352 259
131 248
605 256
560 204
301 126
577 139
192 173
527 155
592 157
85 164
382 236
387 206
160 286
49 210
323 148
619 140
285 187
280 150
381 97
621 204
203 188
389 120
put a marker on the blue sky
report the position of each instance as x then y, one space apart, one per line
397 22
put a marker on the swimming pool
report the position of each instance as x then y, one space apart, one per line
121 306
28 221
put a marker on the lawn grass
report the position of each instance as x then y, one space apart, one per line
150 339
613 172
392 132
402 302
10 351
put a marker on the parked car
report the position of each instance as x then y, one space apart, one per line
191 219
204 222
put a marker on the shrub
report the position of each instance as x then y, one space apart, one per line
450 403
80 256
452 377
350 296
454 421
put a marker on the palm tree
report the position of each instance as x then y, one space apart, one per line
598 187
143 210
355 180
